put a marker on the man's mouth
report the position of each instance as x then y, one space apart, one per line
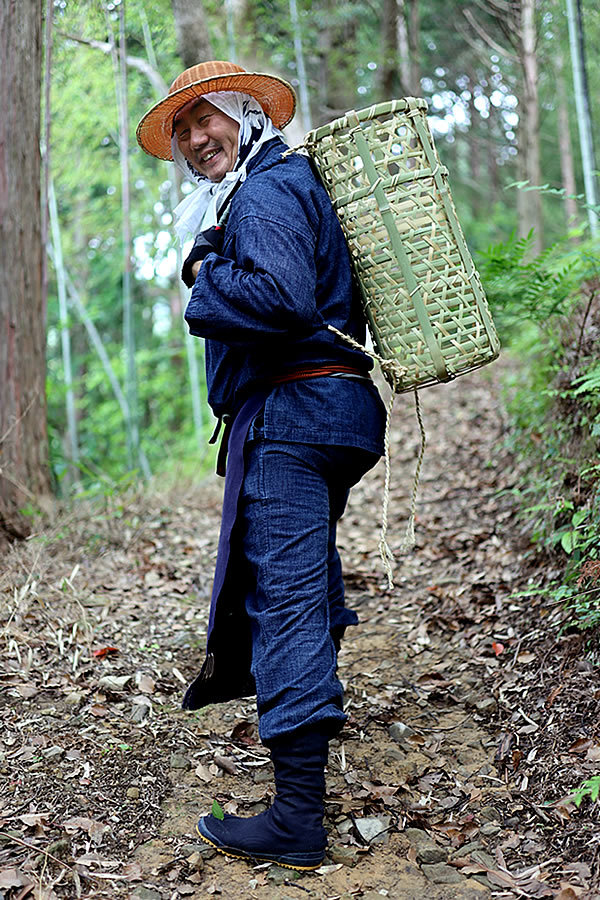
208 156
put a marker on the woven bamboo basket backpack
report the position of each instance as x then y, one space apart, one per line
427 313
424 303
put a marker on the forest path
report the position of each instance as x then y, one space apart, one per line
429 789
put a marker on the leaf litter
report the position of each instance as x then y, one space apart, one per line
470 720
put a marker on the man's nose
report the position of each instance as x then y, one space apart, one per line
197 137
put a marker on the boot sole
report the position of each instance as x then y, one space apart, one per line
236 853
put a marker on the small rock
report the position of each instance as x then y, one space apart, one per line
74 698
489 814
256 808
347 856
487 706
442 874
114 683
133 793
195 861
489 829
279 875
427 850
466 849
139 712
473 889
398 731
395 755
188 849
484 858
53 752
144 893
263 775
177 761
373 829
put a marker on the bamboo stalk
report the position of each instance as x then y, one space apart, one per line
230 31
300 68
119 59
190 341
97 344
583 115
46 150
64 331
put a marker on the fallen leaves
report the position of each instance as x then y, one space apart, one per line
436 668
91 827
103 652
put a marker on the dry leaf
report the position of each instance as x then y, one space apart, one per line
105 651
581 745
13 878
28 690
91 826
114 682
145 684
203 773
33 819
227 764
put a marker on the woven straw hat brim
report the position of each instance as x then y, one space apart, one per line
275 95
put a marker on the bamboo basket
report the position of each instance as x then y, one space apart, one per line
424 303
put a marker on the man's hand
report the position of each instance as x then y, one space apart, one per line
206 242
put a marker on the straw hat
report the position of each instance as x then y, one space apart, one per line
275 95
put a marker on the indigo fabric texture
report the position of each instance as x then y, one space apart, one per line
265 301
292 496
263 304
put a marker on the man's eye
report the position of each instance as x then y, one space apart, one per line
183 135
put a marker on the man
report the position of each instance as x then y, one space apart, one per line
269 273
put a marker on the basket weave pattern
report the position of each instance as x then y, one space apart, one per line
423 298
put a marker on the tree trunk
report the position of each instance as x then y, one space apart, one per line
414 40
403 50
193 42
389 42
23 438
531 208
565 148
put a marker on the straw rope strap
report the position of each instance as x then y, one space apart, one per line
409 538
393 372
385 551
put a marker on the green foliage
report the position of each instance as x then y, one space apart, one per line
553 392
529 289
589 788
472 95
217 811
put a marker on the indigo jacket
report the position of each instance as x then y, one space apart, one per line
264 301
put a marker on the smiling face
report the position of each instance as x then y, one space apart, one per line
207 138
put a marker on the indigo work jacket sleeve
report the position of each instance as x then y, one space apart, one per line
269 288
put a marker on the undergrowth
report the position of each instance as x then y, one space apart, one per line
548 311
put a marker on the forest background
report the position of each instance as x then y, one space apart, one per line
125 391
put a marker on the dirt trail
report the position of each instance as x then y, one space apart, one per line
429 794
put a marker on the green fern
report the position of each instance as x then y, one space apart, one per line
589 788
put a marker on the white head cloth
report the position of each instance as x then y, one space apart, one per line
200 209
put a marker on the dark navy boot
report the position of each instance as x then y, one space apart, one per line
291 832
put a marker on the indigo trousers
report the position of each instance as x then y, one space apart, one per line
292 497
